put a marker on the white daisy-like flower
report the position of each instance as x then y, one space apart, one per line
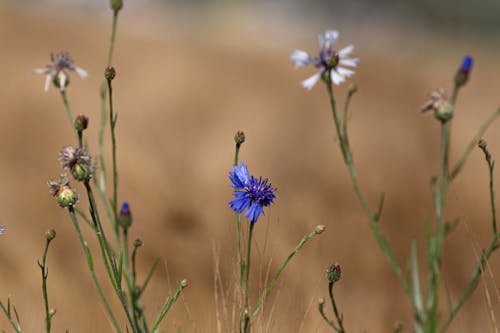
329 61
56 72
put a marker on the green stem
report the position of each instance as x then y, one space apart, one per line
472 144
335 310
113 36
247 276
168 303
373 218
473 281
270 286
6 311
110 257
68 111
328 321
45 274
90 263
112 122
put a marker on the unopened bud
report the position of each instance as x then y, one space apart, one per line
319 229
50 234
125 216
116 5
81 172
184 283
482 144
463 72
52 312
138 242
239 138
109 73
353 88
81 122
333 273
321 301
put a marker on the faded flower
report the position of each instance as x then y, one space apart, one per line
57 71
64 194
438 103
77 161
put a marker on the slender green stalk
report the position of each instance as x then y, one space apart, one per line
373 218
112 124
90 263
68 111
472 144
238 232
473 281
45 273
318 230
322 312
109 255
491 167
113 37
8 314
168 303
246 325
338 316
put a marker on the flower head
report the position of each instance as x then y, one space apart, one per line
65 196
2 229
329 61
77 161
438 102
57 71
250 193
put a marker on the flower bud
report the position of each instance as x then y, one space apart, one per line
333 273
321 301
67 197
116 5
444 111
184 283
353 88
81 122
52 312
319 229
125 216
138 242
81 172
463 72
482 144
239 138
50 234
109 73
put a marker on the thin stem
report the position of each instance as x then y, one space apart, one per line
338 316
491 166
473 281
113 36
68 111
6 311
90 263
105 247
112 122
270 286
45 274
472 144
373 218
168 303
247 276
328 321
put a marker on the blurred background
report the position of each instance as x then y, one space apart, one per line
192 73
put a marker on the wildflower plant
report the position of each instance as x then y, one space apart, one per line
253 194
118 255
425 304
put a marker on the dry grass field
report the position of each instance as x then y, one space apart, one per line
186 82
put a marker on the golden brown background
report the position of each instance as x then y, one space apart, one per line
188 78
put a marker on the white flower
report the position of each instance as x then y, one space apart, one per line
56 71
329 61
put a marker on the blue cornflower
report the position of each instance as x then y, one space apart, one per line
1 229
250 193
467 63
329 61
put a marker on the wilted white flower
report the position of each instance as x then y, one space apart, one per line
57 70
